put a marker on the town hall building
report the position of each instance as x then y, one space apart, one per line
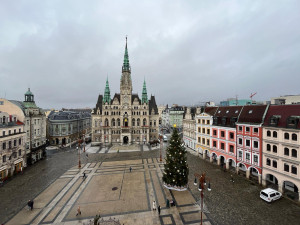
125 119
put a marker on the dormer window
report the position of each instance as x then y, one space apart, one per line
236 111
227 111
233 121
215 122
292 121
274 121
250 111
224 120
219 111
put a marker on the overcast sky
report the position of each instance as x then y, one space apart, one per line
188 51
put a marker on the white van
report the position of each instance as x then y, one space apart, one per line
270 194
165 138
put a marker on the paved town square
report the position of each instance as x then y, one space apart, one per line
60 189
111 189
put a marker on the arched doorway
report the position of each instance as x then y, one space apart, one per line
214 158
290 190
272 181
57 141
254 174
63 141
242 169
125 140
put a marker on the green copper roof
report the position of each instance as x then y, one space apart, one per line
126 65
29 104
28 92
106 93
144 94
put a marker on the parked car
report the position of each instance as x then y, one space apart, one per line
270 195
165 138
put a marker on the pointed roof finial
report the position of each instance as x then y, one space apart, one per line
126 66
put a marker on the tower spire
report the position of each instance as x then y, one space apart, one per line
106 93
126 65
144 93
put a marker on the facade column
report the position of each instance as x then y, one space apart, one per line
237 169
227 165
259 178
219 161
280 187
247 173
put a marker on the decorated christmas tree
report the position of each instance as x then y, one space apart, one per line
176 171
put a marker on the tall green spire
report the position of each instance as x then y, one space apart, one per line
126 66
106 93
144 94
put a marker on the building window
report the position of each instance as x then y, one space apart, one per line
231 148
199 139
294 170
240 128
240 141
247 129
20 152
20 141
274 164
248 143
255 130
268 147
231 135
222 146
214 144
240 154
294 153
255 158
274 148
286 151
203 141
286 136
215 133
4 158
222 134
198 120
207 142
294 137
275 134
208 131
248 156
268 162
15 142
255 144
207 121
268 133
203 130
286 168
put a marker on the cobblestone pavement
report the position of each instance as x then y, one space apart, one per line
228 203
239 202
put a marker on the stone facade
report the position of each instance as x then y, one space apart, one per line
12 148
34 120
66 127
189 128
281 148
125 118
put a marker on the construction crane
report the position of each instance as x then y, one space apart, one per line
252 95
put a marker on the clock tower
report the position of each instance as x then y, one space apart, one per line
126 83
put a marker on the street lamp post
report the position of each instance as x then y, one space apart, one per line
161 146
202 182
78 148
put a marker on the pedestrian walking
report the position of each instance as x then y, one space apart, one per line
158 209
154 205
130 169
84 176
231 179
78 211
29 204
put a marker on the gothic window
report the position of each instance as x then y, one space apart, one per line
113 122
154 122
268 162
294 137
138 122
106 122
133 122
144 122
268 133
274 134
119 122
